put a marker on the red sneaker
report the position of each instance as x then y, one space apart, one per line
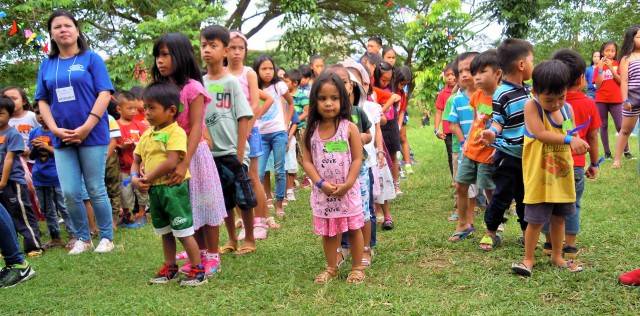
631 278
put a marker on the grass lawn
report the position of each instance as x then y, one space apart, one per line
415 271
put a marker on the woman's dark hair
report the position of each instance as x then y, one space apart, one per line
628 44
401 74
387 49
305 71
381 68
26 106
7 104
82 41
256 67
371 58
183 60
551 77
166 94
314 117
605 44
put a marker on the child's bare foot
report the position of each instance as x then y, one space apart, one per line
616 164
523 268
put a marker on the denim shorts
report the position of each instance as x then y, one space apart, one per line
255 143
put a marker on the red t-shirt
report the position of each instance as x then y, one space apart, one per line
584 109
130 133
609 91
441 102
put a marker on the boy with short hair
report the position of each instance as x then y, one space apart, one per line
506 134
160 150
227 120
306 79
441 102
587 120
45 180
13 186
547 164
475 166
112 178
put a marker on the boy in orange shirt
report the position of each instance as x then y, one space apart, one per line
475 166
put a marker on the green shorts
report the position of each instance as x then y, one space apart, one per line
473 172
170 209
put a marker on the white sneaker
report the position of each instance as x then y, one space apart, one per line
501 227
104 246
80 246
291 196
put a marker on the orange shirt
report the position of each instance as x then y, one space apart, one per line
473 148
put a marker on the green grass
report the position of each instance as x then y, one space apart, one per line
415 271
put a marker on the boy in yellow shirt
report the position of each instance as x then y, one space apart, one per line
158 153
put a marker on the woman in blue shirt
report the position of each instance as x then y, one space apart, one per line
591 86
73 92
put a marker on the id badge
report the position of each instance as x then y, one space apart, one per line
65 94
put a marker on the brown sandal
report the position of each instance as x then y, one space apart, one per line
356 276
327 275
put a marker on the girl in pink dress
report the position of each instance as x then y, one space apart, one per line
332 159
175 62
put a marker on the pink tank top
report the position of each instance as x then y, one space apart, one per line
332 159
190 92
244 82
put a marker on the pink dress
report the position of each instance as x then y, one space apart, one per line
205 190
332 158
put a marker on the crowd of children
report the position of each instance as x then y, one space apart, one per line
192 139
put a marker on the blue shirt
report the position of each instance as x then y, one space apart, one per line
461 112
508 111
44 172
591 87
88 76
11 141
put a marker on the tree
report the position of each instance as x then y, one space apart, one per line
515 15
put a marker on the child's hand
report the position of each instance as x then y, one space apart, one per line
142 184
579 146
487 137
341 189
592 172
328 188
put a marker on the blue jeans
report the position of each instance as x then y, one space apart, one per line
278 143
51 204
572 222
8 242
73 165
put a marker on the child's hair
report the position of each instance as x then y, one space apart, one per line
256 67
449 66
7 104
184 63
305 71
238 34
488 58
576 64
314 58
294 75
460 58
605 44
124 96
371 58
216 32
381 67
376 39
164 93
400 75
112 108
326 77
510 51
82 42
26 105
551 77
629 44
137 91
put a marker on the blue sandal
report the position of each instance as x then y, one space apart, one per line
461 235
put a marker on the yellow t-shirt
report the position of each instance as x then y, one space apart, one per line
547 170
154 145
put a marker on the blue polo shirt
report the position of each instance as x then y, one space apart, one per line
11 141
88 76
461 112
508 111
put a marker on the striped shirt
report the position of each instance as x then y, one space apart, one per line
508 111
461 112
633 94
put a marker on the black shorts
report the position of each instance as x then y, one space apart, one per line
391 136
236 185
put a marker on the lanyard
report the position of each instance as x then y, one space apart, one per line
58 65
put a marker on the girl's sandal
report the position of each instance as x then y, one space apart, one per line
356 276
571 266
327 275
367 257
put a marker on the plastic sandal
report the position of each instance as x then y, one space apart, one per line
571 266
327 275
227 249
461 235
521 269
356 276
245 250
490 242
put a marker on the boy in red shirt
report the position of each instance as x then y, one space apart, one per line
131 130
587 121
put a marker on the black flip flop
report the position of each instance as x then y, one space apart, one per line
521 269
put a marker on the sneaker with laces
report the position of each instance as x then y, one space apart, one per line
165 274
13 275
196 277
104 246
211 266
80 247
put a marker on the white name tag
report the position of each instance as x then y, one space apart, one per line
65 94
